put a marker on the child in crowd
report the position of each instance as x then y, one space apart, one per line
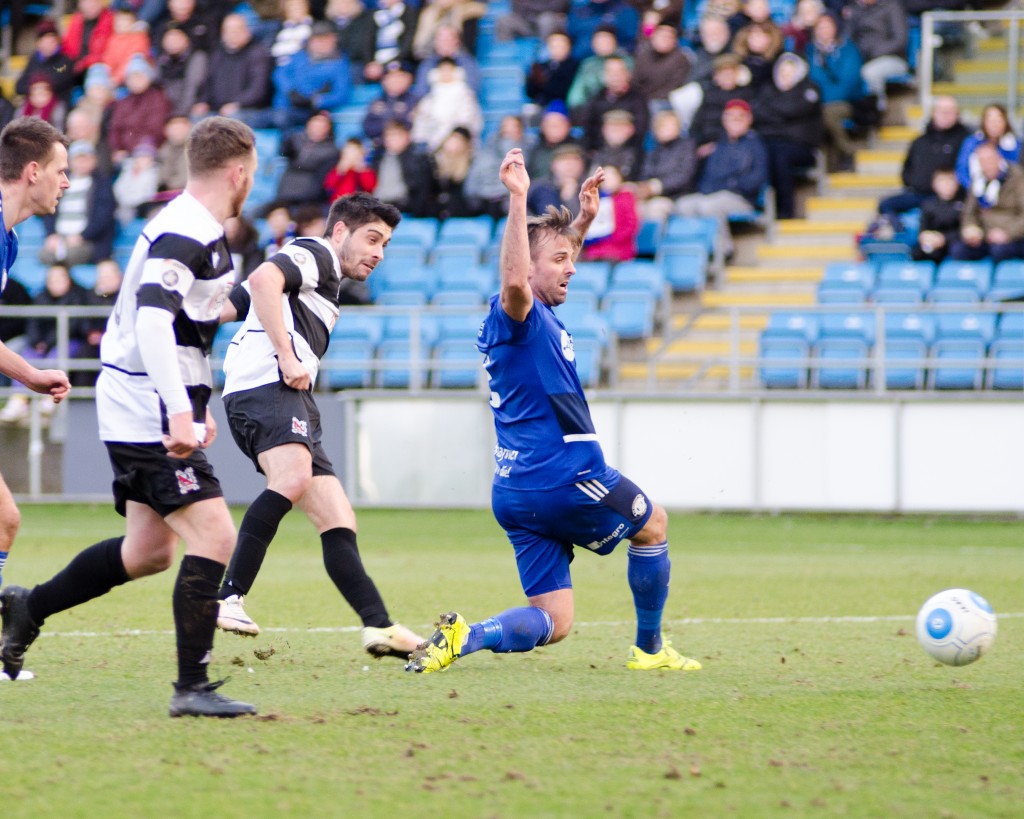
940 217
616 221
351 174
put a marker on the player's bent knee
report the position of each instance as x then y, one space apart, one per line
292 486
10 523
655 531
561 631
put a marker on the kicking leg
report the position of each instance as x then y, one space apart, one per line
329 510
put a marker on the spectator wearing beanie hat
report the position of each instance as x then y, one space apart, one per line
555 131
48 59
141 114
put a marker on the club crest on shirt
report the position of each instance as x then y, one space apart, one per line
187 480
171 276
299 257
639 505
567 349
300 427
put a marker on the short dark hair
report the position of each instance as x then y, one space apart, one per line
557 221
215 142
25 140
358 209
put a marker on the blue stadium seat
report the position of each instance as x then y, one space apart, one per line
474 229
477 278
783 324
897 294
364 93
591 277
645 276
783 361
1008 281
460 324
685 266
396 363
841 293
972 326
649 237
953 294
907 274
905 363
268 143
348 363
859 275
358 324
453 297
1007 358
454 255
857 325
575 309
400 325
974 276
348 123
588 356
692 228
1010 327
127 234
457 364
842 363
419 230
962 370
630 313
31 233
414 296
911 326
85 275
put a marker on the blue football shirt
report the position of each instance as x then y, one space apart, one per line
545 434
8 248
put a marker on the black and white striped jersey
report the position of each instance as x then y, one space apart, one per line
312 279
180 263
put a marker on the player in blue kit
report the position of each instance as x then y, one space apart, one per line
552 489
33 177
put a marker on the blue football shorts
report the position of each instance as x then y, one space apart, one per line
545 525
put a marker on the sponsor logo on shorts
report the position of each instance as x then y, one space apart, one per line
187 480
300 427
616 535
639 505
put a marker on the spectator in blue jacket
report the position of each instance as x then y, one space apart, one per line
996 130
587 17
734 173
835 65
314 79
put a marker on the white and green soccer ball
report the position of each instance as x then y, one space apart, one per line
956 626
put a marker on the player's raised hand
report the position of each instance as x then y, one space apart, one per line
294 374
590 194
181 439
50 382
513 173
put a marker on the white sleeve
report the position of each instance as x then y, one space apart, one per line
154 328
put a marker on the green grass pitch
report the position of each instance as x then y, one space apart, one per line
801 709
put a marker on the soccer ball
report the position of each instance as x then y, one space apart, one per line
956 626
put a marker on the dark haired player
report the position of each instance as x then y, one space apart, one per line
290 306
552 488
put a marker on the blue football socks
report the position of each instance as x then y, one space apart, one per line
519 629
649 572
3 562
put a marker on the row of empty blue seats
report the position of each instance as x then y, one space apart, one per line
910 282
840 350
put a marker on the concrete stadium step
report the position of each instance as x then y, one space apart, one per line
718 322
791 257
975 93
771 275
816 232
674 371
879 161
861 184
966 69
831 208
756 298
696 348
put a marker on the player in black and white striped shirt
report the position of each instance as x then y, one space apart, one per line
271 368
152 401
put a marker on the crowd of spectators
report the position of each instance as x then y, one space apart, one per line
694 121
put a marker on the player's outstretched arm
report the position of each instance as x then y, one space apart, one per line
516 296
590 200
48 382
267 284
